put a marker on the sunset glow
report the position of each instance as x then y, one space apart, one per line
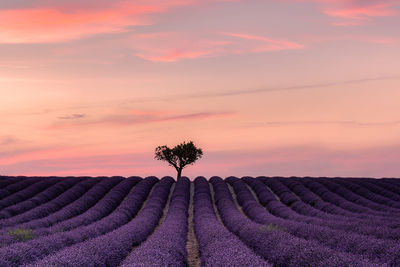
291 87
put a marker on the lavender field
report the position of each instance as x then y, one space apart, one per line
263 221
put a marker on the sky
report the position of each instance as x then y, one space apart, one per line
264 87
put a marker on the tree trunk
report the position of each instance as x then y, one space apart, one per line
179 174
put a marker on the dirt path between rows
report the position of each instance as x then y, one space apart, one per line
192 245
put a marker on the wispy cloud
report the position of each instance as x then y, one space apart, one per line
63 20
356 12
175 55
324 122
42 25
171 47
229 93
270 44
174 46
210 94
293 88
136 117
71 117
8 140
142 116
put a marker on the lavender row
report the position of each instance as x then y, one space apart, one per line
310 198
6 180
337 199
377 187
278 247
36 249
52 206
354 211
380 201
339 206
75 205
381 251
314 208
70 216
15 187
358 203
102 208
276 208
370 206
110 249
48 190
218 246
299 190
307 201
167 245
28 192
388 185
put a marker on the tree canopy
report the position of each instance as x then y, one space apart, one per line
179 156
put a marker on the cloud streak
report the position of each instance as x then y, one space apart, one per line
327 122
293 88
8 140
140 117
72 117
64 21
175 46
46 25
260 90
360 13
356 12
269 43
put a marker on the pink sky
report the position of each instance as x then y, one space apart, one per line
264 87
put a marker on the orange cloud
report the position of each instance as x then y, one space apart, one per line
358 15
362 12
52 25
270 44
355 12
138 117
64 21
175 55
174 46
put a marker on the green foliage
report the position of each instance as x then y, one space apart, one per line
270 227
180 156
21 234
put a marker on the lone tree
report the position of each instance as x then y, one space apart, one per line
180 156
